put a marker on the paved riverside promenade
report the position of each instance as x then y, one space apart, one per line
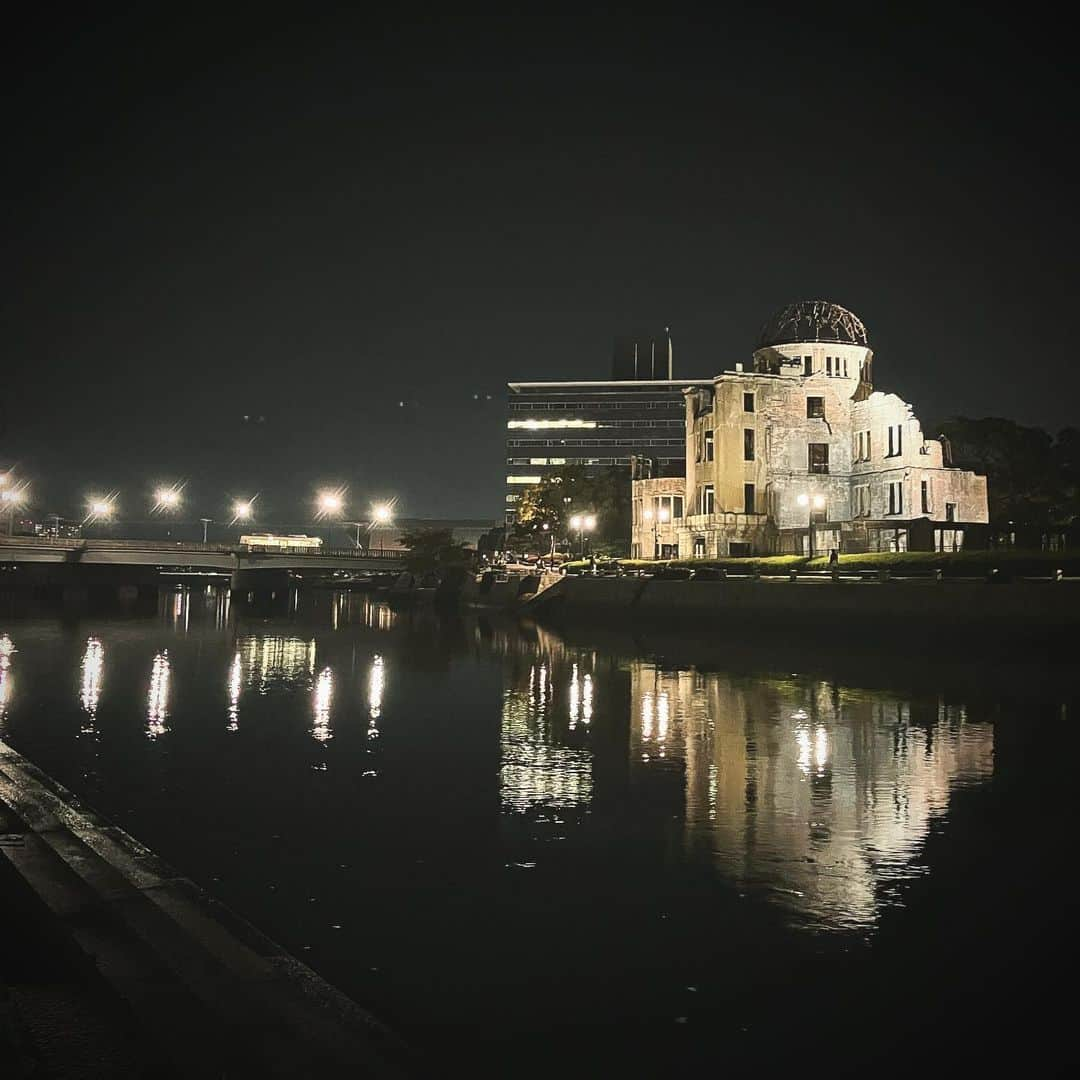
121 967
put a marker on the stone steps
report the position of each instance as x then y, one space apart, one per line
214 996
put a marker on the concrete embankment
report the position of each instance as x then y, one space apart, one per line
847 604
211 995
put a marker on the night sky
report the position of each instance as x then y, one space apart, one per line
312 221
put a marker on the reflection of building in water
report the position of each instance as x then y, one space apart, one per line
821 794
275 659
322 695
157 700
93 668
7 650
553 709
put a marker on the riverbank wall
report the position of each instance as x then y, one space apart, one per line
211 995
849 605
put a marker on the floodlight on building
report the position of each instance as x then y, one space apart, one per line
819 502
803 499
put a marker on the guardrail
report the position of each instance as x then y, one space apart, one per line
108 544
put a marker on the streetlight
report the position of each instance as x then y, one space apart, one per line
243 509
329 503
204 522
100 508
817 502
582 523
381 514
167 499
10 498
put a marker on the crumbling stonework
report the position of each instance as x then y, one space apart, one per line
799 454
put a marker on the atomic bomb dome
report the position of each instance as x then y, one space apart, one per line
813 320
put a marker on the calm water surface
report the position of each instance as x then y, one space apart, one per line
531 853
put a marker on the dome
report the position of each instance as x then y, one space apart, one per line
813 320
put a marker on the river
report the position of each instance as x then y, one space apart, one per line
563 854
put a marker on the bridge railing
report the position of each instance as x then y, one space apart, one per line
110 544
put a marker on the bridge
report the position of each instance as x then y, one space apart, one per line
166 555
73 574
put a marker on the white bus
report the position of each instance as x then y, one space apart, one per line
271 542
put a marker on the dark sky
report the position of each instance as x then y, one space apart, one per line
311 221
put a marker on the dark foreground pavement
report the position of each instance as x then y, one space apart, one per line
113 965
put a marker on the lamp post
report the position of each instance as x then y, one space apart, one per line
167 499
582 523
10 498
100 508
812 503
381 514
205 522
243 509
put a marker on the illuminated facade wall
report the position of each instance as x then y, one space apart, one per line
798 454
552 425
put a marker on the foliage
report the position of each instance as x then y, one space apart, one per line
1032 478
605 493
433 549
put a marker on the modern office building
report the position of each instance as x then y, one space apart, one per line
596 425
795 452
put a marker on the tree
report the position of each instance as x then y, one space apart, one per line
1031 478
433 550
604 493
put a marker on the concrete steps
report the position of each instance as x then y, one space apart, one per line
214 996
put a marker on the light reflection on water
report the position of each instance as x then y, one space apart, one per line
438 755
818 794
93 669
157 700
7 651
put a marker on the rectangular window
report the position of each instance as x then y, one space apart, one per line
815 408
818 457
710 454
828 365
950 511
896 440
708 499
808 365
748 403
896 497
676 508
862 500
924 487
748 444
845 367
862 446
748 499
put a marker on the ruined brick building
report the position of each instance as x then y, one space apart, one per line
797 453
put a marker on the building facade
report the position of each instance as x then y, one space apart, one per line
797 453
595 425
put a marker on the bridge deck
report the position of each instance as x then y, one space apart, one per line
32 549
